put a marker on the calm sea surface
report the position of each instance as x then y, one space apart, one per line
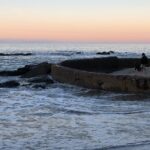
65 117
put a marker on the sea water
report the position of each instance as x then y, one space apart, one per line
65 117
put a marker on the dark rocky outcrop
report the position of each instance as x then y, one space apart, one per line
16 54
39 86
17 72
9 84
41 79
105 53
103 65
29 70
40 82
78 53
38 74
38 70
106 65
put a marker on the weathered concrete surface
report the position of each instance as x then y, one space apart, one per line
100 80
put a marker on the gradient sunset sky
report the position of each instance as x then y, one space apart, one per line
75 20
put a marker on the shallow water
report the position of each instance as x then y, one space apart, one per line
69 117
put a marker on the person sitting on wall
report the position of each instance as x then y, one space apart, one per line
144 61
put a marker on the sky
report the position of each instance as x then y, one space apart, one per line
75 20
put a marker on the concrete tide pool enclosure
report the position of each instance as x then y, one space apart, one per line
99 73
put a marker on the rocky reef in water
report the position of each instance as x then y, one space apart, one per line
37 76
94 73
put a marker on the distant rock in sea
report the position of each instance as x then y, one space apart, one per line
105 53
16 54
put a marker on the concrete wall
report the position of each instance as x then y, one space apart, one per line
100 80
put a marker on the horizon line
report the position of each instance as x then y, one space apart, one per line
70 41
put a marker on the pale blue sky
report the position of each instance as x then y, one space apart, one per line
74 3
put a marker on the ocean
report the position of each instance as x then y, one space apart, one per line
66 117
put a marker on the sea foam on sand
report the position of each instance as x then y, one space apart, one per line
132 72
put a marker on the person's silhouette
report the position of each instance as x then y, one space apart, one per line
144 60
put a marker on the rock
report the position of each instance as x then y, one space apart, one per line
105 64
24 70
78 53
38 70
16 54
29 70
41 79
17 72
37 86
9 84
105 53
8 73
112 52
